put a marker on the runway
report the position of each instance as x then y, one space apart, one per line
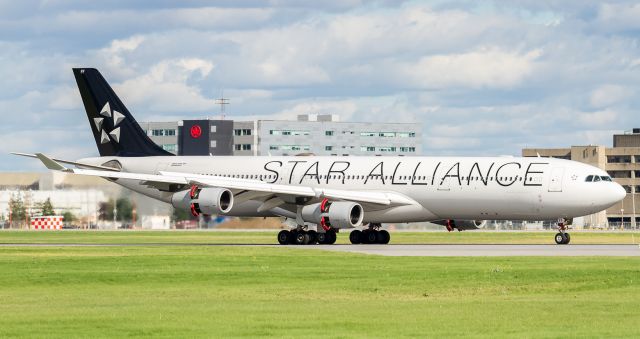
489 250
416 250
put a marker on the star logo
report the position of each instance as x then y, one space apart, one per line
116 117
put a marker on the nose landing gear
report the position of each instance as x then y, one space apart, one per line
562 237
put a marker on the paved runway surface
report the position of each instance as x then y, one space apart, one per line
489 250
419 250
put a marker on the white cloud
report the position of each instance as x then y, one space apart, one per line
607 95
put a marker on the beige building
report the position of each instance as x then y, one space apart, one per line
622 162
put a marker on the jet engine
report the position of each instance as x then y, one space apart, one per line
207 200
340 214
462 225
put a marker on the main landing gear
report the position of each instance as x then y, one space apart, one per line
562 237
372 235
300 236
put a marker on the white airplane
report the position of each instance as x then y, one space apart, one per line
327 194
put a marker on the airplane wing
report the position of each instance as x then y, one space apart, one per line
249 189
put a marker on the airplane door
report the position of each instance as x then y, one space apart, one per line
555 180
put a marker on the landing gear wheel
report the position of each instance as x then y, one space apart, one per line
322 238
293 234
567 238
283 237
313 237
559 239
302 238
370 237
331 237
383 237
355 237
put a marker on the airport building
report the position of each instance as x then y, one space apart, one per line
622 162
320 134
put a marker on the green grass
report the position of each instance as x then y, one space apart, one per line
269 237
219 291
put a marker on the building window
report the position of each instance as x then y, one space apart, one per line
620 174
407 149
290 147
367 149
288 132
619 159
163 132
387 149
173 148
636 174
637 159
328 133
328 148
241 131
406 134
387 134
274 147
368 134
242 147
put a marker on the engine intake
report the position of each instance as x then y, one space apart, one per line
340 214
207 200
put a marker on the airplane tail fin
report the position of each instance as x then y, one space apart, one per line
115 130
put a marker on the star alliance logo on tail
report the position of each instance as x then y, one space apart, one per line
117 118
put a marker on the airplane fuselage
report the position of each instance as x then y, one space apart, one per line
468 188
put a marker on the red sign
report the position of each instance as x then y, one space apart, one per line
196 131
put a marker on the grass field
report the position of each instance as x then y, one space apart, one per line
269 237
218 291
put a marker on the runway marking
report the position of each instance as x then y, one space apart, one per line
414 250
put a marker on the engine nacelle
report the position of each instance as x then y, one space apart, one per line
340 214
207 200
462 225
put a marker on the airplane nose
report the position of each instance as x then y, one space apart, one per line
619 192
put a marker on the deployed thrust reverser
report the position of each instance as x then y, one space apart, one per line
207 200
462 225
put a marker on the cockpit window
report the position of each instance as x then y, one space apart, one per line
596 178
589 178
605 178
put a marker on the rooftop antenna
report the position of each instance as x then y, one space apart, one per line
222 101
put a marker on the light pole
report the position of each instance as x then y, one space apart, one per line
622 219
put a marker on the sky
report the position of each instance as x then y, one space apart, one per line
483 77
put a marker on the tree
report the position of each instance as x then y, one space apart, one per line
125 209
105 211
68 216
47 208
17 210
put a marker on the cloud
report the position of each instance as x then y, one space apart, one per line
481 78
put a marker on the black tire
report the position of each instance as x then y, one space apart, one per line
283 237
322 238
292 236
559 238
302 238
355 237
332 237
384 237
567 239
313 237
370 237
